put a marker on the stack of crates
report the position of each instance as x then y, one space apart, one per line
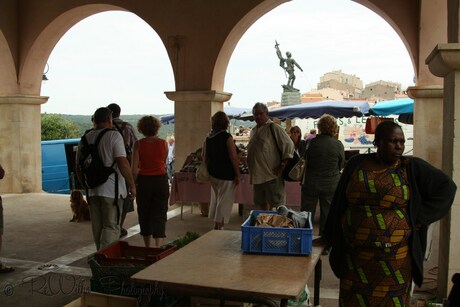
113 267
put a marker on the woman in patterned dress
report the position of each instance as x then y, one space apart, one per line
378 221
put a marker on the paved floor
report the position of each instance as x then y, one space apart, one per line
50 253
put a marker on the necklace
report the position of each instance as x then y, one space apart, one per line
394 165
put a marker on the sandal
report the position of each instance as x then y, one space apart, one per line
6 269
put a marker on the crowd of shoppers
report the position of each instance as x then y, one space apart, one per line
375 208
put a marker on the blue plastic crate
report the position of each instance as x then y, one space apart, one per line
275 240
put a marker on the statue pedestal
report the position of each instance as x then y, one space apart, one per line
290 97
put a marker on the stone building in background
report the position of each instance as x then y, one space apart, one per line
381 90
350 85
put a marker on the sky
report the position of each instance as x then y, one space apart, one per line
116 57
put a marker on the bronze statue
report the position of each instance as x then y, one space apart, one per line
287 64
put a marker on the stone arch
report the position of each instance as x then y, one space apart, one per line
8 72
34 61
232 39
403 20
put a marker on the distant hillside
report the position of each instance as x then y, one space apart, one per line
84 123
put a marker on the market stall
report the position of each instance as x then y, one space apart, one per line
185 188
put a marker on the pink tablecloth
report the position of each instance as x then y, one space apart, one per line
185 188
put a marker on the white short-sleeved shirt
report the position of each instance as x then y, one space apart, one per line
110 147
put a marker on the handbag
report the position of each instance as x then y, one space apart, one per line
289 166
298 170
202 175
290 163
373 121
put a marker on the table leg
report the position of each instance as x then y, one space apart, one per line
318 277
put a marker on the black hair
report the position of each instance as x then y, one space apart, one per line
116 110
384 129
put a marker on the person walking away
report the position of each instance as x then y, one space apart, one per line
378 221
149 171
326 158
222 162
129 137
170 162
269 149
104 210
3 267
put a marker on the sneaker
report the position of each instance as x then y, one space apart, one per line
123 233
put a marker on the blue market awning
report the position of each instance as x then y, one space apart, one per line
317 109
406 118
232 112
393 107
167 119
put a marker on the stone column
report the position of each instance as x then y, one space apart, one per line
20 143
428 122
444 61
192 119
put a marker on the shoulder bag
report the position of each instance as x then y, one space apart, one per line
297 171
202 174
290 163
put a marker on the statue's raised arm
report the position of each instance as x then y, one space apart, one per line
278 53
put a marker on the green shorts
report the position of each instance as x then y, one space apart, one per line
271 192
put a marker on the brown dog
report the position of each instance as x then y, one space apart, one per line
79 207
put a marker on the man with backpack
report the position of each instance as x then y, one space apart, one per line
129 137
103 169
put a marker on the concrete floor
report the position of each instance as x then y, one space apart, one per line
50 253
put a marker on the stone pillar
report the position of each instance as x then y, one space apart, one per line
444 61
20 143
428 122
192 119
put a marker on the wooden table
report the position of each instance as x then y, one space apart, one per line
214 266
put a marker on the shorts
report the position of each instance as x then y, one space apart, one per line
269 194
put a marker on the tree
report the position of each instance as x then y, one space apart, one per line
56 127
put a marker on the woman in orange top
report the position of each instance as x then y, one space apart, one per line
149 171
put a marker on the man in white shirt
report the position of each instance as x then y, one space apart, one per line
105 206
269 149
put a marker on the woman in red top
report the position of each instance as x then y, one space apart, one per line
149 171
